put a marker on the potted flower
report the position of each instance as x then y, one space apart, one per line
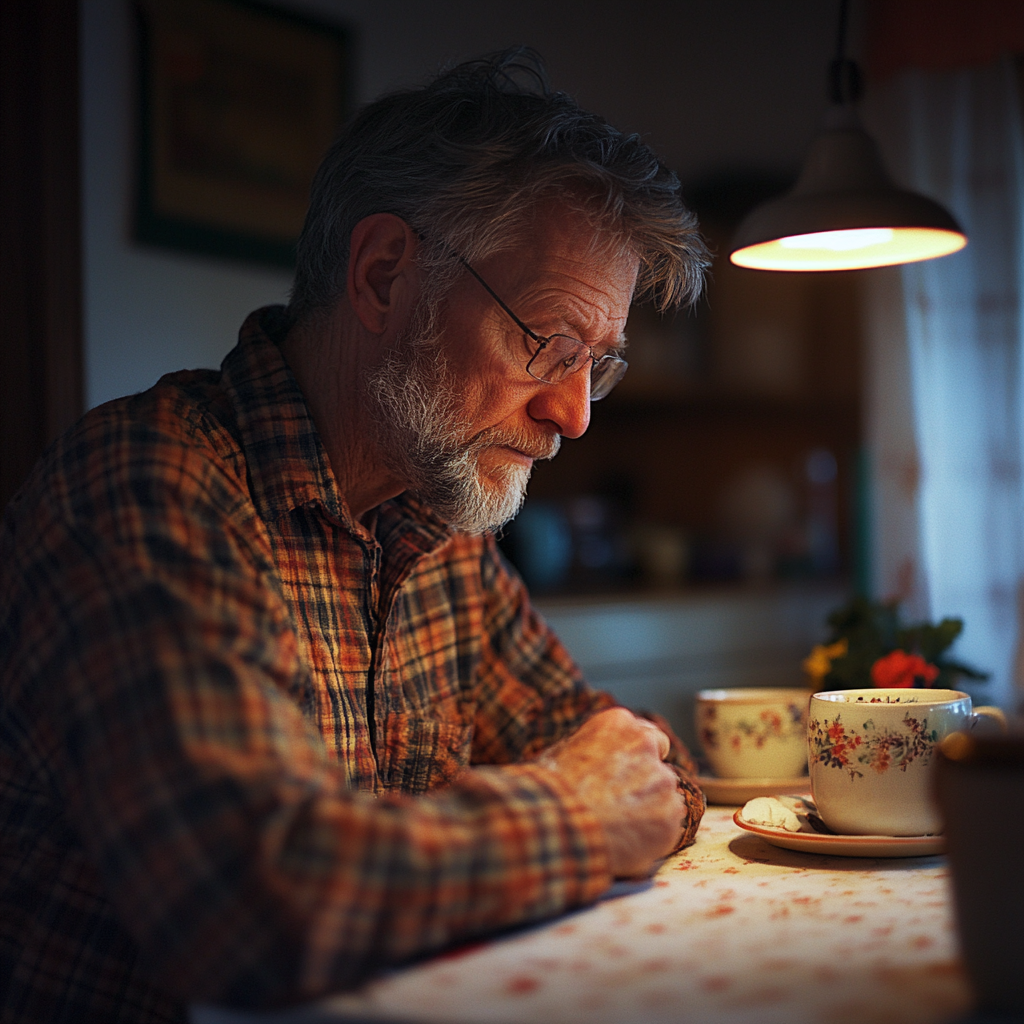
869 646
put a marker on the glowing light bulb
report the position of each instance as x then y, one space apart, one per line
839 241
849 249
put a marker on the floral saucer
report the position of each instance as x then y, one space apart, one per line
736 792
814 837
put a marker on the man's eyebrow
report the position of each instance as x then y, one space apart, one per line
580 325
613 348
616 342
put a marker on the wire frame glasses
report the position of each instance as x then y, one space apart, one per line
560 355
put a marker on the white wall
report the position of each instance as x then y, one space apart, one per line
655 653
710 83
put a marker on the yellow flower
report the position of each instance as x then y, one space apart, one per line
818 663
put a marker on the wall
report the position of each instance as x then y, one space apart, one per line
656 653
147 311
712 85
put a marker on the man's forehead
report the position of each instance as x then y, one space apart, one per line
565 251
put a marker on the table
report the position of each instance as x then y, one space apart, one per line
730 930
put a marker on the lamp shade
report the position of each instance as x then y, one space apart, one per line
844 212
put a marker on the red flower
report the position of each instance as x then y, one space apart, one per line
899 669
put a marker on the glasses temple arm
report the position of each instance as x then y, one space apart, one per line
494 295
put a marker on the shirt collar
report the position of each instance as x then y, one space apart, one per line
287 463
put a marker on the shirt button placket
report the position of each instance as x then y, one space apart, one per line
373 691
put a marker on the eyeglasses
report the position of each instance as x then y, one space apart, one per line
560 355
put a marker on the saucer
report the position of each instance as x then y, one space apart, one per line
736 792
807 840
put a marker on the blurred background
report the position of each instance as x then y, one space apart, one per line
781 446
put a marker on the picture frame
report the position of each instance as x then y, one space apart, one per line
237 104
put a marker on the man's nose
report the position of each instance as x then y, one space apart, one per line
565 404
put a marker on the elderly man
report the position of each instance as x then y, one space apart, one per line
275 712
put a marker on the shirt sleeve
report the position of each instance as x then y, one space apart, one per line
532 693
153 672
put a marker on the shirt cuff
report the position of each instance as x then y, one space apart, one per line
569 839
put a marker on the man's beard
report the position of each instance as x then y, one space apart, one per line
425 439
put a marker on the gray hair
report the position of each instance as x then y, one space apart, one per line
466 159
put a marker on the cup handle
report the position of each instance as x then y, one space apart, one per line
991 714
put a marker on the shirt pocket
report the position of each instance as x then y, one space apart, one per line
428 709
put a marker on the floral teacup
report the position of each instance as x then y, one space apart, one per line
754 732
869 753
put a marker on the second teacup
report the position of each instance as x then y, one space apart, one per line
870 754
754 732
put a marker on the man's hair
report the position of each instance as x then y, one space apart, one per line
466 160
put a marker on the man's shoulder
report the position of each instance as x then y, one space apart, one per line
188 408
177 438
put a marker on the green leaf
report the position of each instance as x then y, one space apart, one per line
872 629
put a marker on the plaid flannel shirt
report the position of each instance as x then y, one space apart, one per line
235 724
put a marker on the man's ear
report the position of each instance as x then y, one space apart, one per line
381 269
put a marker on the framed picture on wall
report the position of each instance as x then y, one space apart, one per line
238 102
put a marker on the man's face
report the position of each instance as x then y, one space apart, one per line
460 419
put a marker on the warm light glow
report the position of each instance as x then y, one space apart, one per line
849 249
839 241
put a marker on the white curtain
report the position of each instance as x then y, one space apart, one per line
945 407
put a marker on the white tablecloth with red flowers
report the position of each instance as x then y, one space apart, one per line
730 930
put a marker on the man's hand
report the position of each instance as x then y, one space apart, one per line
614 762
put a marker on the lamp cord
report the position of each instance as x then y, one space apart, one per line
845 83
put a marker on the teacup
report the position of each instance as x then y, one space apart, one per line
754 732
869 754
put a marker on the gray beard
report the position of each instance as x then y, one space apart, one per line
415 401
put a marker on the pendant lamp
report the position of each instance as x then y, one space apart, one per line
844 212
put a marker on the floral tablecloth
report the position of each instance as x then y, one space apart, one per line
731 930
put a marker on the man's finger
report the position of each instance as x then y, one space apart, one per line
664 746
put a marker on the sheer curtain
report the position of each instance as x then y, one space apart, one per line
946 369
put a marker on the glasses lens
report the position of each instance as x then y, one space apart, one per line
605 374
563 355
558 358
